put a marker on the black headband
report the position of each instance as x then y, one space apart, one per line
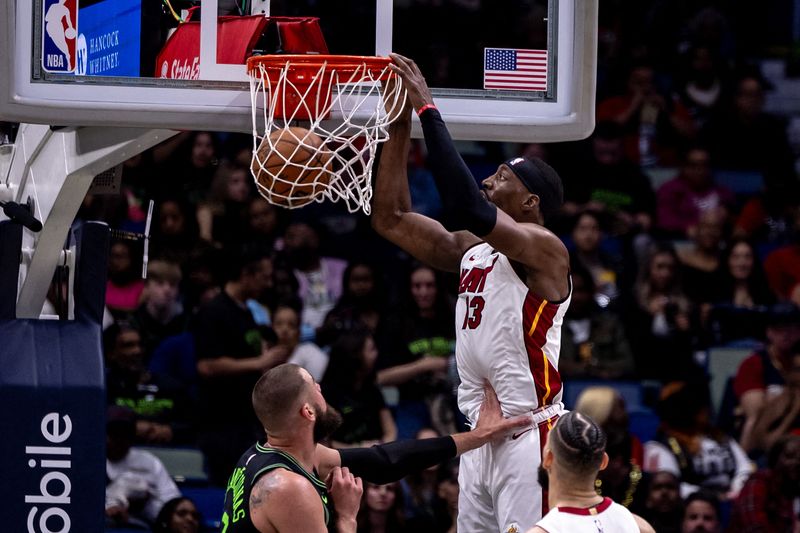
540 179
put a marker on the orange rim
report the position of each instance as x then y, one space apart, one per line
342 64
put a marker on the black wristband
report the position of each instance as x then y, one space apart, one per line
385 463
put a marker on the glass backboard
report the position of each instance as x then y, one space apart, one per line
512 71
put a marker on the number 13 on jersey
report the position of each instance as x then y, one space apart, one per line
474 314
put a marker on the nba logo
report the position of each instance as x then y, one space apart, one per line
60 28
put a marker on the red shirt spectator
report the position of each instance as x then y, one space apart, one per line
783 272
767 501
761 376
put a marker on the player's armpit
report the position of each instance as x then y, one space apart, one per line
282 501
534 246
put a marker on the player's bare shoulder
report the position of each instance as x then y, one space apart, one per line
280 494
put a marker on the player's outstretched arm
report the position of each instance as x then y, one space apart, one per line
424 238
389 462
465 207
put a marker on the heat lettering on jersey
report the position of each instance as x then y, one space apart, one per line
474 279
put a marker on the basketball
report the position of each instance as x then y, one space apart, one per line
69 33
289 167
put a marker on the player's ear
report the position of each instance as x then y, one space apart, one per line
604 462
531 201
308 412
547 457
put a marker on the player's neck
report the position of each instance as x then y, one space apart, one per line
570 495
301 449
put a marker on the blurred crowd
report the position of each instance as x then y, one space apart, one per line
682 217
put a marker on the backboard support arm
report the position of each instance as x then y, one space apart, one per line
54 169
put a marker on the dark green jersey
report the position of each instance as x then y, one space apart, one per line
257 461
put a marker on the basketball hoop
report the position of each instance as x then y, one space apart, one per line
289 88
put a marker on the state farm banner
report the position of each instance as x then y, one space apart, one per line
236 39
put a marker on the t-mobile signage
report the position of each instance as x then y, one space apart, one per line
52 400
51 428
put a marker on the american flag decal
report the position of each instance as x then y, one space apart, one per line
515 70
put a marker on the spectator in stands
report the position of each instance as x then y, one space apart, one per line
691 448
160 314
663 505
416 346
138 485
769 499
381 509
286 324
223 215
175 233
420 492
701 514
593 341
349 385
606 269
745 138
622 480
161 404
701 260
446 508
319 278
263 223
203 274
741 294
179 515
741 278
658 320
768 218
654 125
703 84
609 183
192 158
692 192
360 306
125 285
781 415
762 376
783 267
231 356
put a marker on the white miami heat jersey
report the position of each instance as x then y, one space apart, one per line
605 517
507 334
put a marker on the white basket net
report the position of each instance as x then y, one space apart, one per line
334 161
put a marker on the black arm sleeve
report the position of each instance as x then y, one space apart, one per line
464 207
385 463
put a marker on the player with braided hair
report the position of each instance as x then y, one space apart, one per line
572 457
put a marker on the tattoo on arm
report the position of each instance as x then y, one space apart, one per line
261 491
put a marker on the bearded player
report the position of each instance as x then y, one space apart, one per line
514 290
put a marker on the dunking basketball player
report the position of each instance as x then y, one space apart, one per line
514 291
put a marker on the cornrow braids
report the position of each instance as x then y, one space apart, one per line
579 442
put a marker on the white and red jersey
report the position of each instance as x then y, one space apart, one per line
604 517
507 334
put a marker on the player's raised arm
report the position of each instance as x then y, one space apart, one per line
424 238
522 189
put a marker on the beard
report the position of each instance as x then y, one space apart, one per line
543 477
327 422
